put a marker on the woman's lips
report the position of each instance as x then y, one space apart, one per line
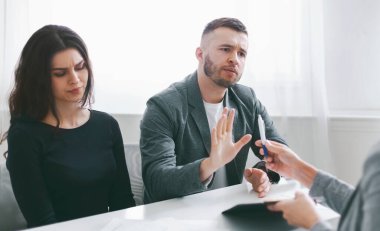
75 90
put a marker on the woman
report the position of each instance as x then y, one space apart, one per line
65 160
359 208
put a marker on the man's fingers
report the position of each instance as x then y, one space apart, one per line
224 125
230 120
214 138
219 126
265 190
259 175
264 182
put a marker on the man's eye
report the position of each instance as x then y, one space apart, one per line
242 54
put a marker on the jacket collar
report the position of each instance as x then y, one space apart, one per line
198 111
197 108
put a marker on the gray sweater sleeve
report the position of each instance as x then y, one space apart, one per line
363 213
322 226
334 192
369 188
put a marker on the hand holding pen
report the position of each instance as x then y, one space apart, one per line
283 160
262 135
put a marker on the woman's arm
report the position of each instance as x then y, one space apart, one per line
121 196
24 165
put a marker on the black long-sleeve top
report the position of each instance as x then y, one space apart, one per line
62 174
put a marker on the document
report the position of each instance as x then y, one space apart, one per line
244 216
284 190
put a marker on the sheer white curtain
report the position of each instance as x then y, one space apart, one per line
139 47
287 70
2 78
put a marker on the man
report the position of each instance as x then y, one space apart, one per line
187 138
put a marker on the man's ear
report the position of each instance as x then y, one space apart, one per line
199 54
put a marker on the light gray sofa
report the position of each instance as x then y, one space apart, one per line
11 217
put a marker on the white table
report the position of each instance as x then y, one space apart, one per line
200 211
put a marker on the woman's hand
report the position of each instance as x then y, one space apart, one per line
300 211
283 160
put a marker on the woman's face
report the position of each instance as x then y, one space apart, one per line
69 76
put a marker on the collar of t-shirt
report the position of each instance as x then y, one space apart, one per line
213 112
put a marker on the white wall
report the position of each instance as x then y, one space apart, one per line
352 43
351 140
352 65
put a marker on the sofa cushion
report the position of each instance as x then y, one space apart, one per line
11 217
133 158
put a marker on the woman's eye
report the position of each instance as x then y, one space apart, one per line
59 73
80 67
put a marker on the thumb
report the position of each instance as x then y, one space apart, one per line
247 172
274 147
276 207
243 141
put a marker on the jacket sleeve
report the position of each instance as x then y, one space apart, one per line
121 193
162 177
27 180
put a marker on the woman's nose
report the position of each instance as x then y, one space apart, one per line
74 77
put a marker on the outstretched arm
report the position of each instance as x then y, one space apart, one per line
223 150
163 178
121 196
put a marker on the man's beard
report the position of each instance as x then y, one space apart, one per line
211 71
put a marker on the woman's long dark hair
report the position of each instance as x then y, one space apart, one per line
32 96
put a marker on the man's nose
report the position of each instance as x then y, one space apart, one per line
233 58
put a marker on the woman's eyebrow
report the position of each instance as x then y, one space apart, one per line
64 68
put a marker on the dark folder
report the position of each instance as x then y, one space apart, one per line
255 217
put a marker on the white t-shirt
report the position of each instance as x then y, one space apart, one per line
214 112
